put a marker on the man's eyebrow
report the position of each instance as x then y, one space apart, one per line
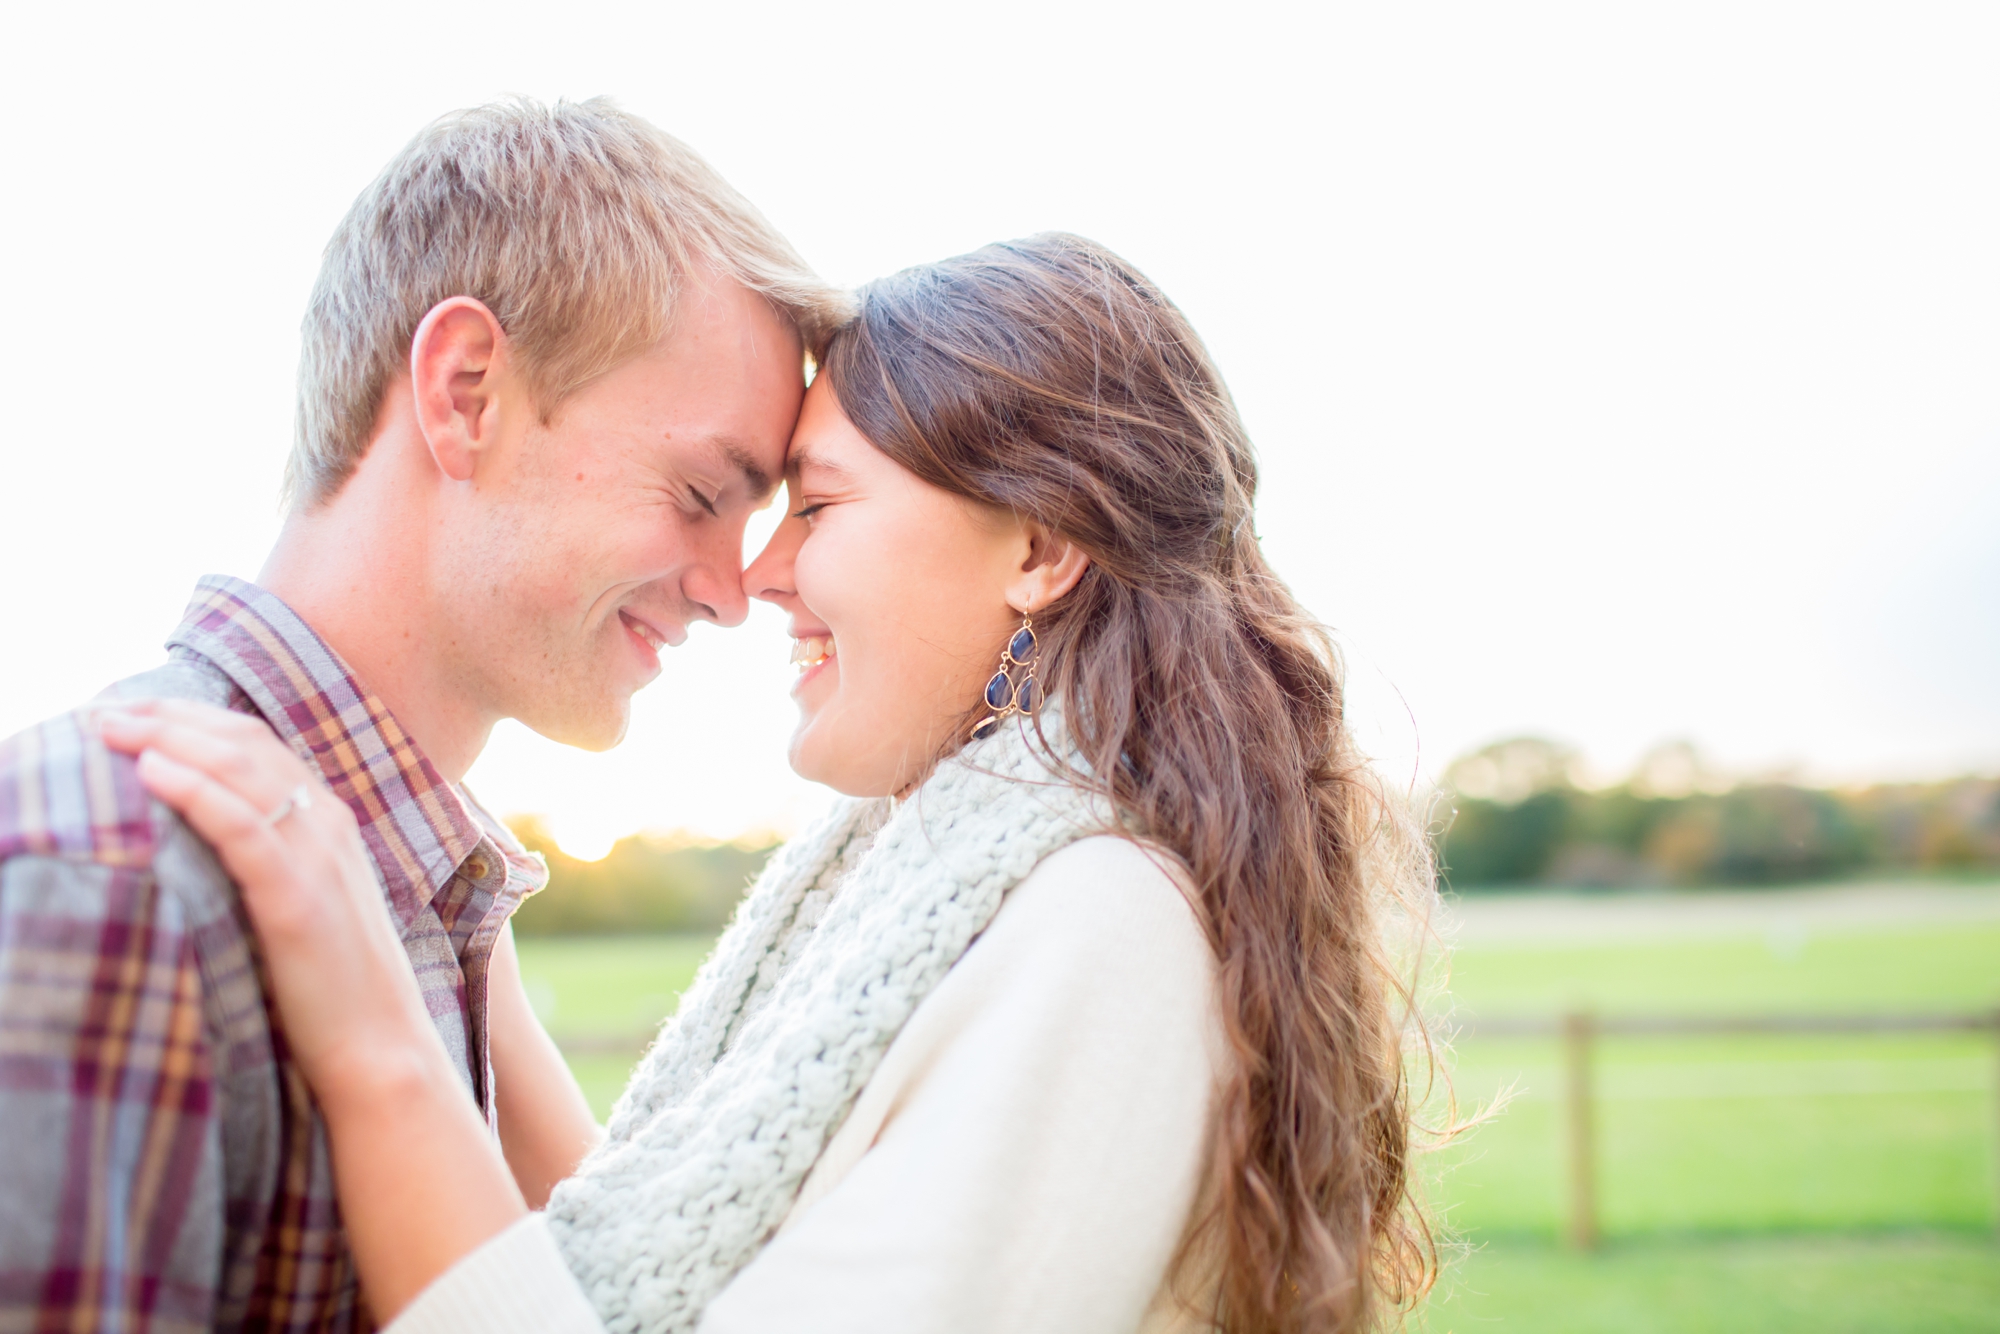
754 477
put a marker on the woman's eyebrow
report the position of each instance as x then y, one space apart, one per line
802 459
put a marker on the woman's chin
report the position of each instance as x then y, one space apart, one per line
817 756
815 761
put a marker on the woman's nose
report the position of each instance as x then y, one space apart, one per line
769 577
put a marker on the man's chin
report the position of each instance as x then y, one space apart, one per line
595 731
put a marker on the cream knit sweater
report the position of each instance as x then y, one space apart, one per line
825 962
1022 1161
1024 1150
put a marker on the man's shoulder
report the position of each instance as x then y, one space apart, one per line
65 794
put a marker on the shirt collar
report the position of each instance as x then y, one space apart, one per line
414 822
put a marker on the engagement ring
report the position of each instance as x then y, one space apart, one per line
300 798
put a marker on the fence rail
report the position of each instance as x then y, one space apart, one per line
1579 1031
1713 1025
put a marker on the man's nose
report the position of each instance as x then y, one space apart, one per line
714 586
717 596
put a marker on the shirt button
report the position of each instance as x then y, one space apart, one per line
476 868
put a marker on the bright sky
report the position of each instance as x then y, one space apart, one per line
1619 372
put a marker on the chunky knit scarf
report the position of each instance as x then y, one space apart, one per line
840 940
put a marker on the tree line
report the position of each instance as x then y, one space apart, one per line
1516 814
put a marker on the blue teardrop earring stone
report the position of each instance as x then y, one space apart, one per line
1022 646
998 691
986 727
1027 695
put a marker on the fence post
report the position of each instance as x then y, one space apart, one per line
1578 1030
1994 1020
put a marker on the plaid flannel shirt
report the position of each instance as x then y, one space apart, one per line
162 1167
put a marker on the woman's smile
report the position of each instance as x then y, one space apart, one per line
812 654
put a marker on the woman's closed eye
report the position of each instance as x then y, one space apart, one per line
807 511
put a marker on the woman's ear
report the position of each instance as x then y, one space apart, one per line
458 358
1053 566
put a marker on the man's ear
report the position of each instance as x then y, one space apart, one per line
1053 565
458 359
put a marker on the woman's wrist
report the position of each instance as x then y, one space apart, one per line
420 1177
366 1080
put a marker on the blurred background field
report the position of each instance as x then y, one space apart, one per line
1823 1182
1818 1182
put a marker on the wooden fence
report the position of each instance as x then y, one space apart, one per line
1580 1030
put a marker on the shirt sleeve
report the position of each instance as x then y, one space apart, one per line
1041 1160
515 1283
111 1213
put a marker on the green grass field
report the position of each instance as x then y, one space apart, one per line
1919 1284
1823 1183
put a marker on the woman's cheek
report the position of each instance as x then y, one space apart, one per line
816 574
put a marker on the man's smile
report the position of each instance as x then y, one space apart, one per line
652 636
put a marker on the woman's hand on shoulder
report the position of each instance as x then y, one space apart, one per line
334 958
420 1181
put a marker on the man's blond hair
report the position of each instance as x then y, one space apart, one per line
577 224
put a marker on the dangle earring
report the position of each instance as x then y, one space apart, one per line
1013 688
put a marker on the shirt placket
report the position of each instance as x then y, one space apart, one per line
484 893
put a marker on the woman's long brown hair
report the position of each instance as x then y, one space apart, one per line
1048 377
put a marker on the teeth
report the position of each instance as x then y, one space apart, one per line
647 633
812 651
